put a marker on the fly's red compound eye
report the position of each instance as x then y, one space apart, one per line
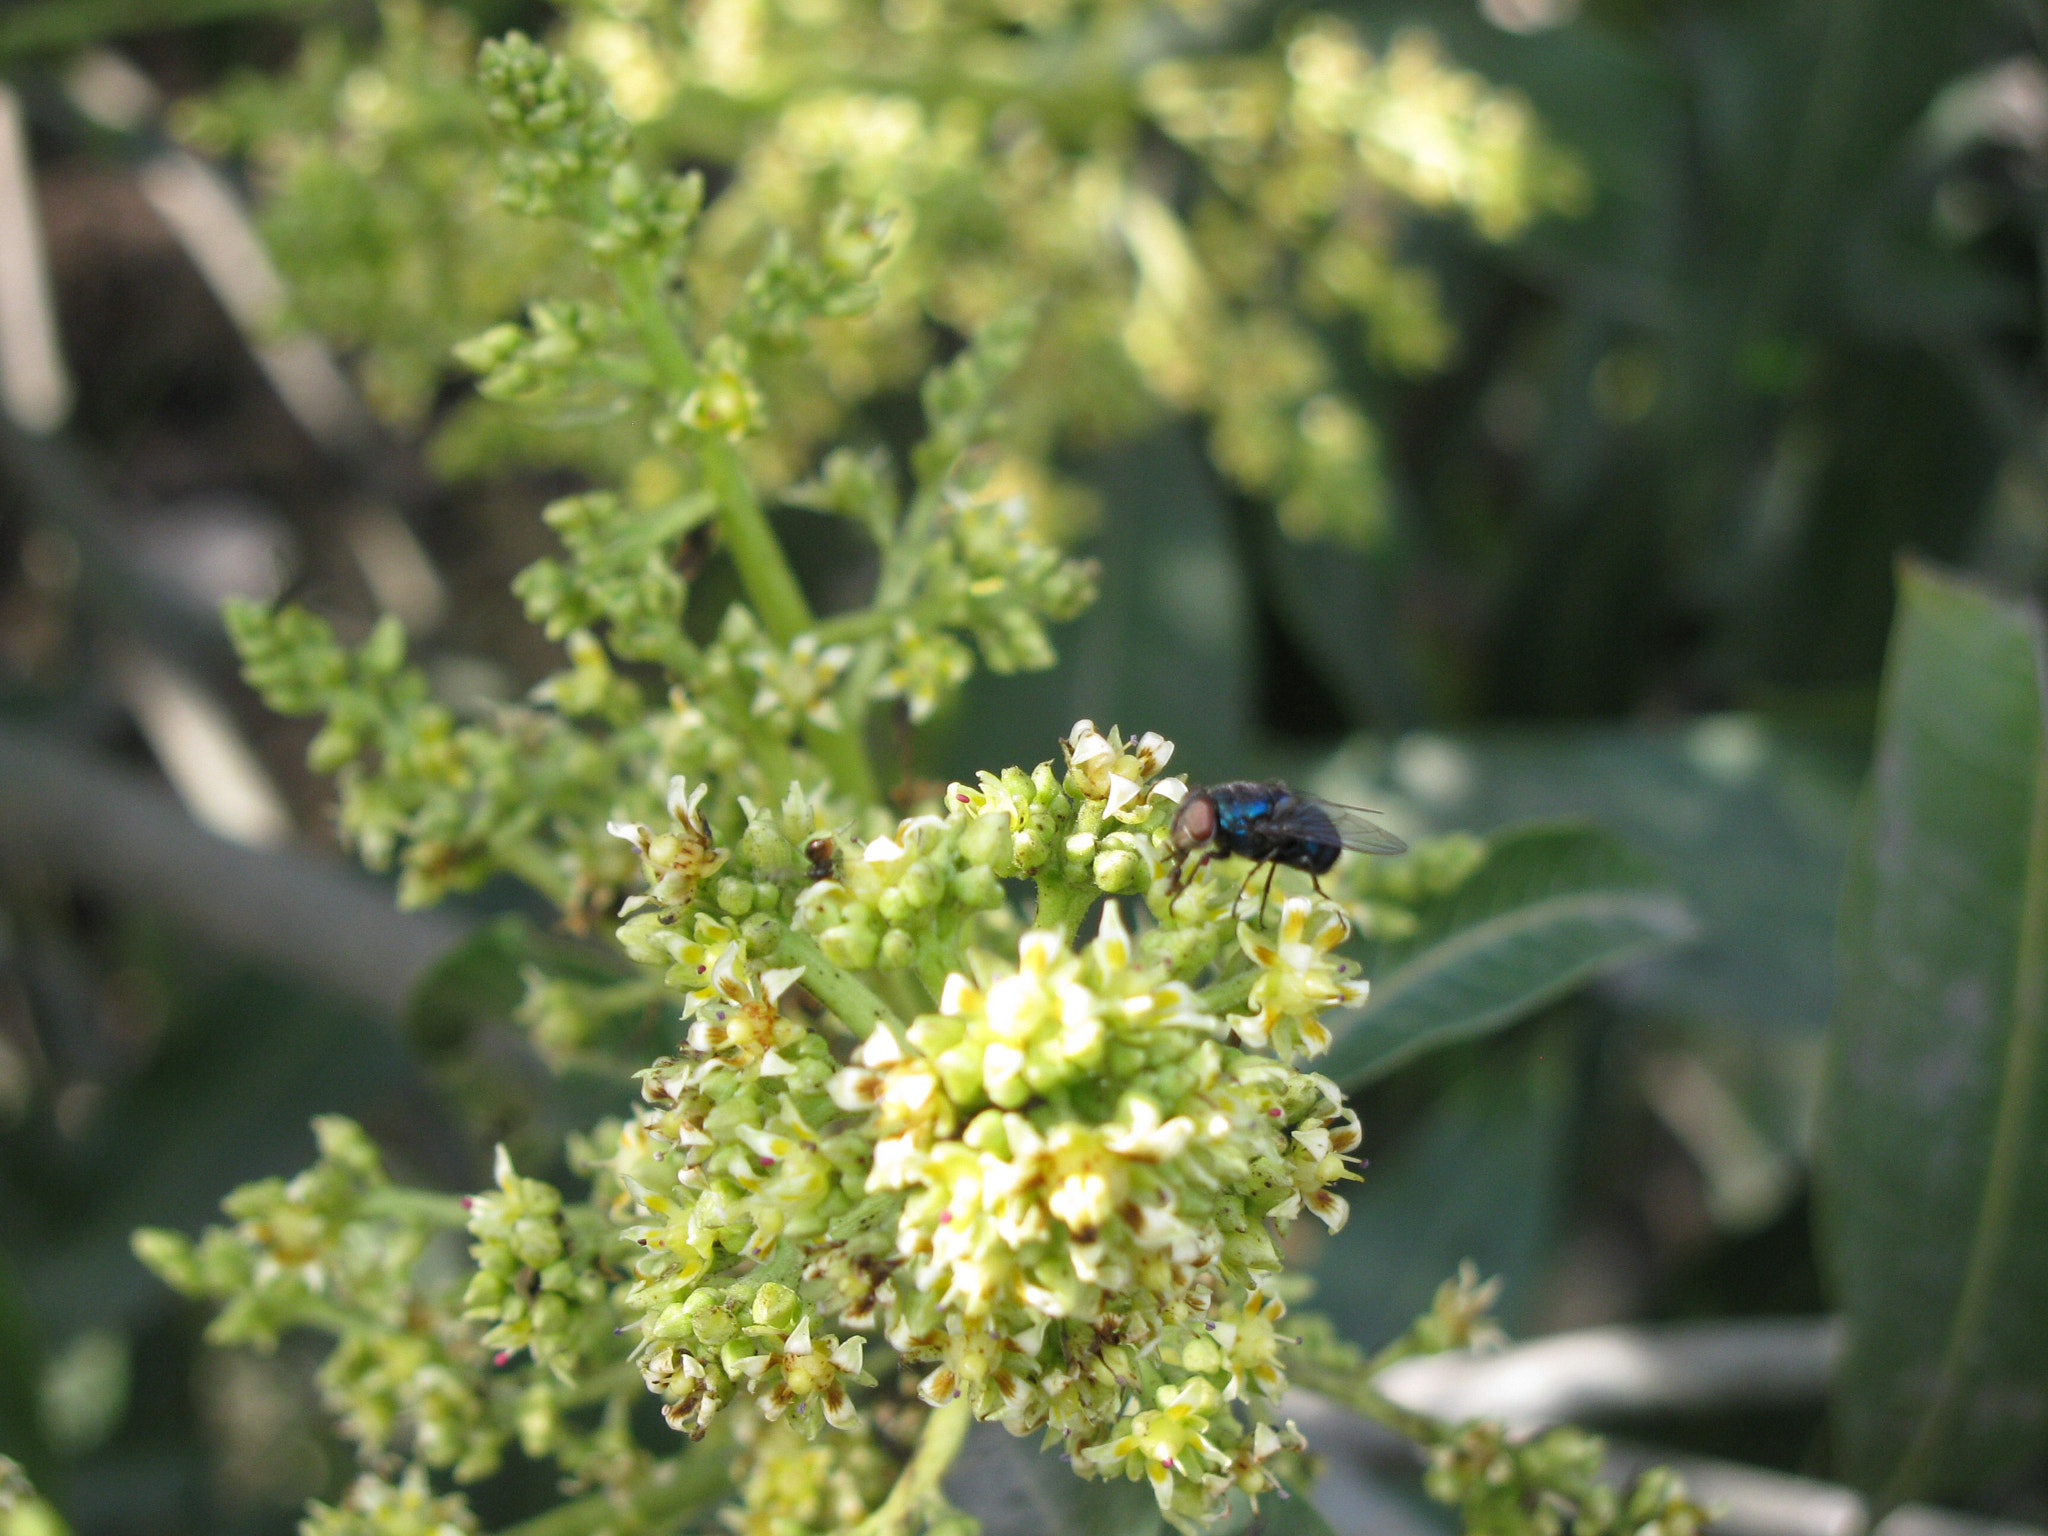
1196 822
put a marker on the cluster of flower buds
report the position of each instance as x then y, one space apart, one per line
1550 1484
339 1246
755 1335
1055 1193
792 1484
375 1507
1381 894
539 100
994 577
540 1284
783 685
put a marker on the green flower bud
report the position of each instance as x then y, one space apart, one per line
1122 871
896 950
765 850
985 838
924 883
977 888
777 1306
735 896
850 945
706 1315
170 1256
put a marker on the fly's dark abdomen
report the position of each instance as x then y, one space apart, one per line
1320 843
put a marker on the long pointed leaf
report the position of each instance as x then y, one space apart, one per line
1552 907
1934 1149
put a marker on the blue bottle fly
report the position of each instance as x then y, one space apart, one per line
1270 824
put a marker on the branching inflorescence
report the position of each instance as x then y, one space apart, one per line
1209 211
918 1159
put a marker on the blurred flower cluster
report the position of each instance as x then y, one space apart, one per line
1215 205
928 1149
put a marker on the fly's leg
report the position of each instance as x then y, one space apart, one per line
1248 877
1271 871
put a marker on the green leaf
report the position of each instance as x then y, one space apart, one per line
1749 815
1551 908
1933 1154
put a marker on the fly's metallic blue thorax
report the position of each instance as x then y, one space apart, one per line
1269 824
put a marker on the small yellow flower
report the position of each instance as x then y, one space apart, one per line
1299 980
1167 1442
679 861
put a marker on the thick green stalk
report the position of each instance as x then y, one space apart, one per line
771 586
1229 993
918 1483
840 990
750 540
1355 1390
1062 906
417 1205
860 624
674 1491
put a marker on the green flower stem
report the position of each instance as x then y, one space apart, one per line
421 1205
666 1499
1230 993
1355 1390
937 1445
771 585
846 760
938 953
1062 907
860 624
840 990
312 1312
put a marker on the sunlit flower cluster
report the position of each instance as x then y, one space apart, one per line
1056 1192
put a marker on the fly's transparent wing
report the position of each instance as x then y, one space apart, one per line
1359 832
